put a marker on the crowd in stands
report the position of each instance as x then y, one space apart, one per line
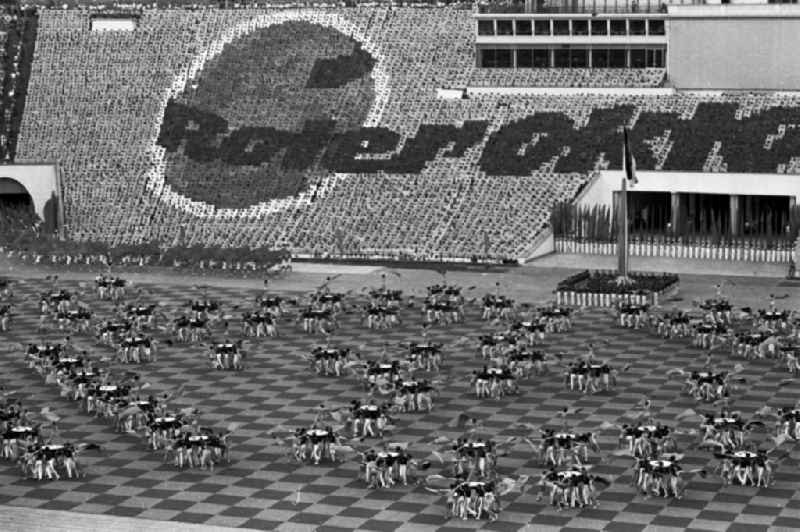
568 77
488 197
17 38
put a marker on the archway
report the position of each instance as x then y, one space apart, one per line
17 209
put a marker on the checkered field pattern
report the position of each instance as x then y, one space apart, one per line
263 489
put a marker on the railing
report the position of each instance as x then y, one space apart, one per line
681 250
580 6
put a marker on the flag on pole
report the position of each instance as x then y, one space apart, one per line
629 166
629 161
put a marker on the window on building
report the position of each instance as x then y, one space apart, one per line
599 27
638 58
541 58
524 58
619 27
561 27
637 26
497 58
579 58
505 27
524 27
600 58
656 27
561 58
616 58
655 58
541 27
485 27
580 27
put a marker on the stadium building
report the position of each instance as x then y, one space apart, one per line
490 132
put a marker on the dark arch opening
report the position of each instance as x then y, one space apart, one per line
17 213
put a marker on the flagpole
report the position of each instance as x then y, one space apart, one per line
622 252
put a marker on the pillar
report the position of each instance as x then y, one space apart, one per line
735 203
675 212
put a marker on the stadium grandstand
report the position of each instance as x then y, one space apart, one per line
448 132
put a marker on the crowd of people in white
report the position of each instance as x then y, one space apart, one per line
86 83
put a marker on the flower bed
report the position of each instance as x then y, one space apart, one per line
600 288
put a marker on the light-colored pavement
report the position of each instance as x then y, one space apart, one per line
750 284
14 519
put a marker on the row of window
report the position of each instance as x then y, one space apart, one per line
575 27
572 58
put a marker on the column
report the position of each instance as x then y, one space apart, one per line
735 202
675 212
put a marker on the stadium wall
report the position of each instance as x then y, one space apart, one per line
734 47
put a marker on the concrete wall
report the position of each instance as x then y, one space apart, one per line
601 190
736 52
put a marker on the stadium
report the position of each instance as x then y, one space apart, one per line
524 234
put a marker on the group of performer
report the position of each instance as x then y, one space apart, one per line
227 355
327 360
708 386
118 399
475 494
494 382
659 476
314 444
110 287
647 440
571 487
473 499
589 376
33 448
387 467
561 448
413 396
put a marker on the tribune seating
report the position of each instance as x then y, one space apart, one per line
96 104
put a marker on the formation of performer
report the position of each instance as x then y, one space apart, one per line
572 487
109 287
381 316
413 396
497 307
369 420
513 354
259 324
659 476
425 356
589 376
227 355
118 399
34 446
746 468
444 305
646 440
386 467
474 499
191 329
494 382
314 444
632 316
327 360
560 448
